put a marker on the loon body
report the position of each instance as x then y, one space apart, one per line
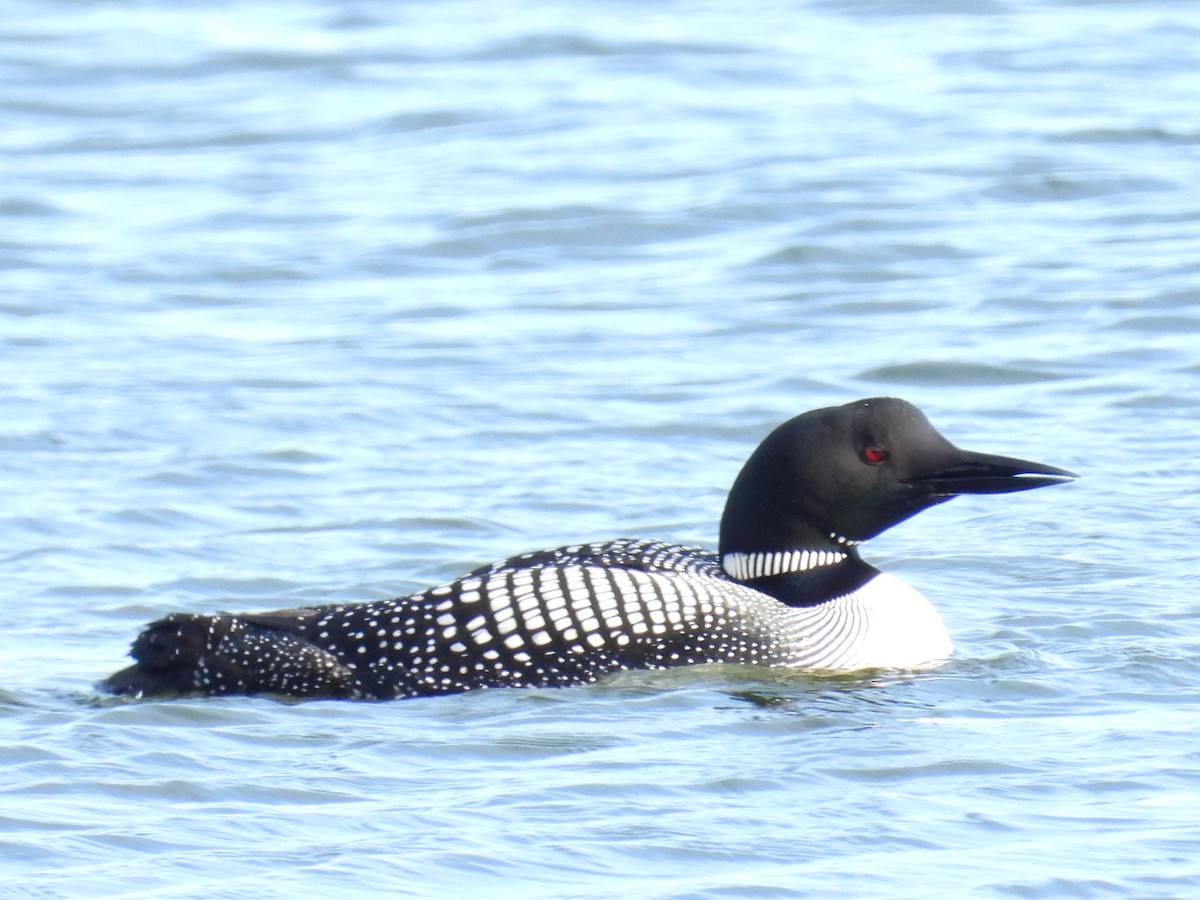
787 588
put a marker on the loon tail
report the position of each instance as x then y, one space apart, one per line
227 654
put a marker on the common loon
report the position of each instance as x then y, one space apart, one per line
787 587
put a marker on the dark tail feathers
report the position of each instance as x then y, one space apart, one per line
212 655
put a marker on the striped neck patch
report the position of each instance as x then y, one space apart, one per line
747 566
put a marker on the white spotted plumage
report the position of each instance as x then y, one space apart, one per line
571 616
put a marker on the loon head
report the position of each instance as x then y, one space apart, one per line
832 478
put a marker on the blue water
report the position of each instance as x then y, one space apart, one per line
303 302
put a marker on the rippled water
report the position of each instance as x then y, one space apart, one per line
303 302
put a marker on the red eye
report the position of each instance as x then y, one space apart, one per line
874 456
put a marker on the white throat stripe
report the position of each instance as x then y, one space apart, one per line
747 566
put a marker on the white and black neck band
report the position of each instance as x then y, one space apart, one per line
748 566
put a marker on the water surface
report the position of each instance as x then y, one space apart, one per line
331 301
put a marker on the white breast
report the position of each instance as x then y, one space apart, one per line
885 624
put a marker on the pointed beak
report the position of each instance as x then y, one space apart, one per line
984 473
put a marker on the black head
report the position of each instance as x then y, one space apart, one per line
842 475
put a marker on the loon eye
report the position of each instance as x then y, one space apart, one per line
874 456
